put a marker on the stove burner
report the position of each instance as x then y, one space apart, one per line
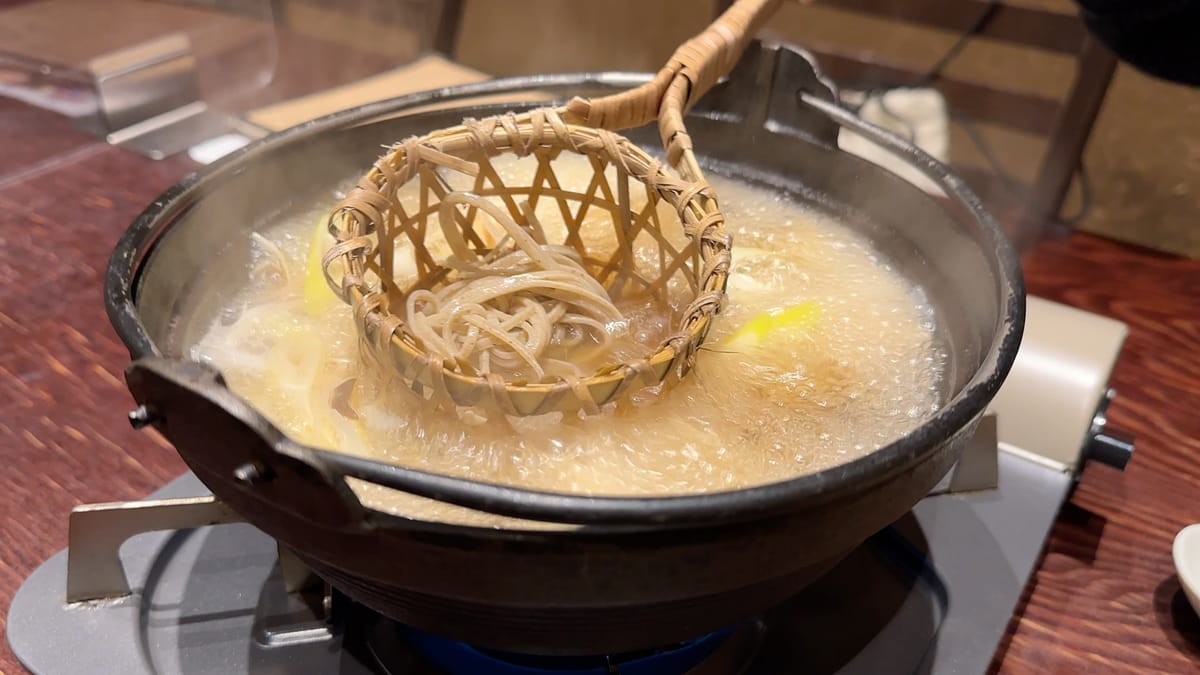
392 648
457 658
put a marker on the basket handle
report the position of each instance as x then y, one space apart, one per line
690 72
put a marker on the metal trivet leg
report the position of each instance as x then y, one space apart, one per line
297 577
195 600
96 532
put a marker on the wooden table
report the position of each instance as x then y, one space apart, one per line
1105 598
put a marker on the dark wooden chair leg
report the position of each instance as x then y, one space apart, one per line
1072 127
445 40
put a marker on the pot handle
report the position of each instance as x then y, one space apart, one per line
244 459
927 164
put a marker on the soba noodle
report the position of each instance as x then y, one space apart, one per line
506 309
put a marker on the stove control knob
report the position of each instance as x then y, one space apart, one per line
142 417
1105 445
1111 447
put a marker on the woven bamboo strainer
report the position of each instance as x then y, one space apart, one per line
688 253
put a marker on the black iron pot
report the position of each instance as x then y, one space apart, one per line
631 572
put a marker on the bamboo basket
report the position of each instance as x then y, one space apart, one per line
690 250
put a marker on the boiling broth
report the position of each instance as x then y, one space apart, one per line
847 363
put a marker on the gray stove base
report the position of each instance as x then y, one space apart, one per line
932 594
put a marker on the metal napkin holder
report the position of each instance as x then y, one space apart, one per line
149 99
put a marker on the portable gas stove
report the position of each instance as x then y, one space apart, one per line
195 591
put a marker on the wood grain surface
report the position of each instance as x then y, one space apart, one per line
1104 600
63 439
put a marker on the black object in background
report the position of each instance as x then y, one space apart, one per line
1158 37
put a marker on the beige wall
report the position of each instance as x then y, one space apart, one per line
514 37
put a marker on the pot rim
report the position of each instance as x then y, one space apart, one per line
134 247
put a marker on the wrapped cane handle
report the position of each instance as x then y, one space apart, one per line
691 71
